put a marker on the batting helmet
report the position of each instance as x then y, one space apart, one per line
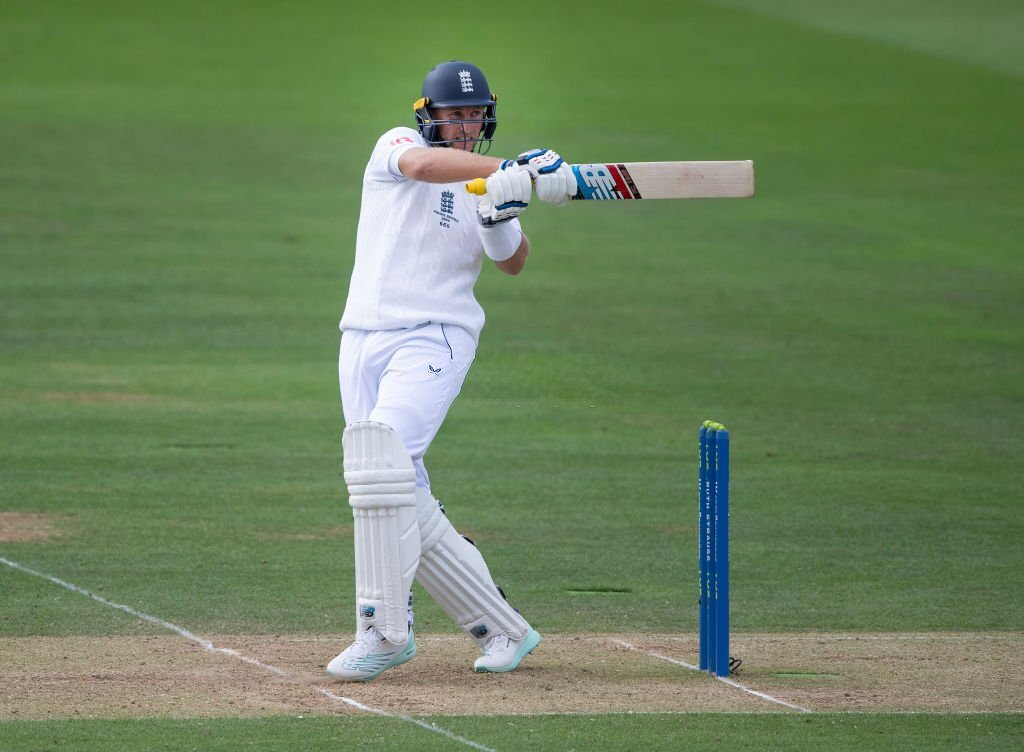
456 84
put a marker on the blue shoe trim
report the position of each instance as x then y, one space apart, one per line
380 664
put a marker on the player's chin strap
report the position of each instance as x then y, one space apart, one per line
381 491
453 572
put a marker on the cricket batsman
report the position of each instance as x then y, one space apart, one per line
409 335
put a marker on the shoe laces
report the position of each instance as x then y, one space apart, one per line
365 642
498 642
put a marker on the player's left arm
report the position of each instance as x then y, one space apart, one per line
431 165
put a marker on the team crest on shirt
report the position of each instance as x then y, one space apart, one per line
447 210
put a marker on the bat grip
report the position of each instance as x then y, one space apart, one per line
477 187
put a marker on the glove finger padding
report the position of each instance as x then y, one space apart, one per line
556 188
508 195
510 185
553 177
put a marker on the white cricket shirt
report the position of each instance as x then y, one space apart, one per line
418 248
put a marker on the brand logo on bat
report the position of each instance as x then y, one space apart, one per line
604 182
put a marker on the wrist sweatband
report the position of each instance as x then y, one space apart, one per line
501 241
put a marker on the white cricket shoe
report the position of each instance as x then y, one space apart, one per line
370 656
502 653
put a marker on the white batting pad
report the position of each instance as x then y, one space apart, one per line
381 491
453 572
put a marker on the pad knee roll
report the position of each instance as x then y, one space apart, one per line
381 491
455 575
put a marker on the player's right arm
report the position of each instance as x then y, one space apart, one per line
515 263
502 236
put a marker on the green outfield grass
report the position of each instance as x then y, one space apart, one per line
866 732
179 190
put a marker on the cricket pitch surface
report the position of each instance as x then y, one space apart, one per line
250 675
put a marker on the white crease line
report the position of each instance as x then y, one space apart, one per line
762 695
723 679
422 724
209 646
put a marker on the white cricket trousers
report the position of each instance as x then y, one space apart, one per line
406 379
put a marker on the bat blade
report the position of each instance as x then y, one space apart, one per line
639 180
648 180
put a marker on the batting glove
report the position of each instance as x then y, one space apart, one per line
553 179
508 195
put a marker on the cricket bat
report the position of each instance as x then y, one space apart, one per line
634 180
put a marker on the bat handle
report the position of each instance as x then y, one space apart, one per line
477 187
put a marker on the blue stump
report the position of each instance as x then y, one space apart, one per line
713 547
